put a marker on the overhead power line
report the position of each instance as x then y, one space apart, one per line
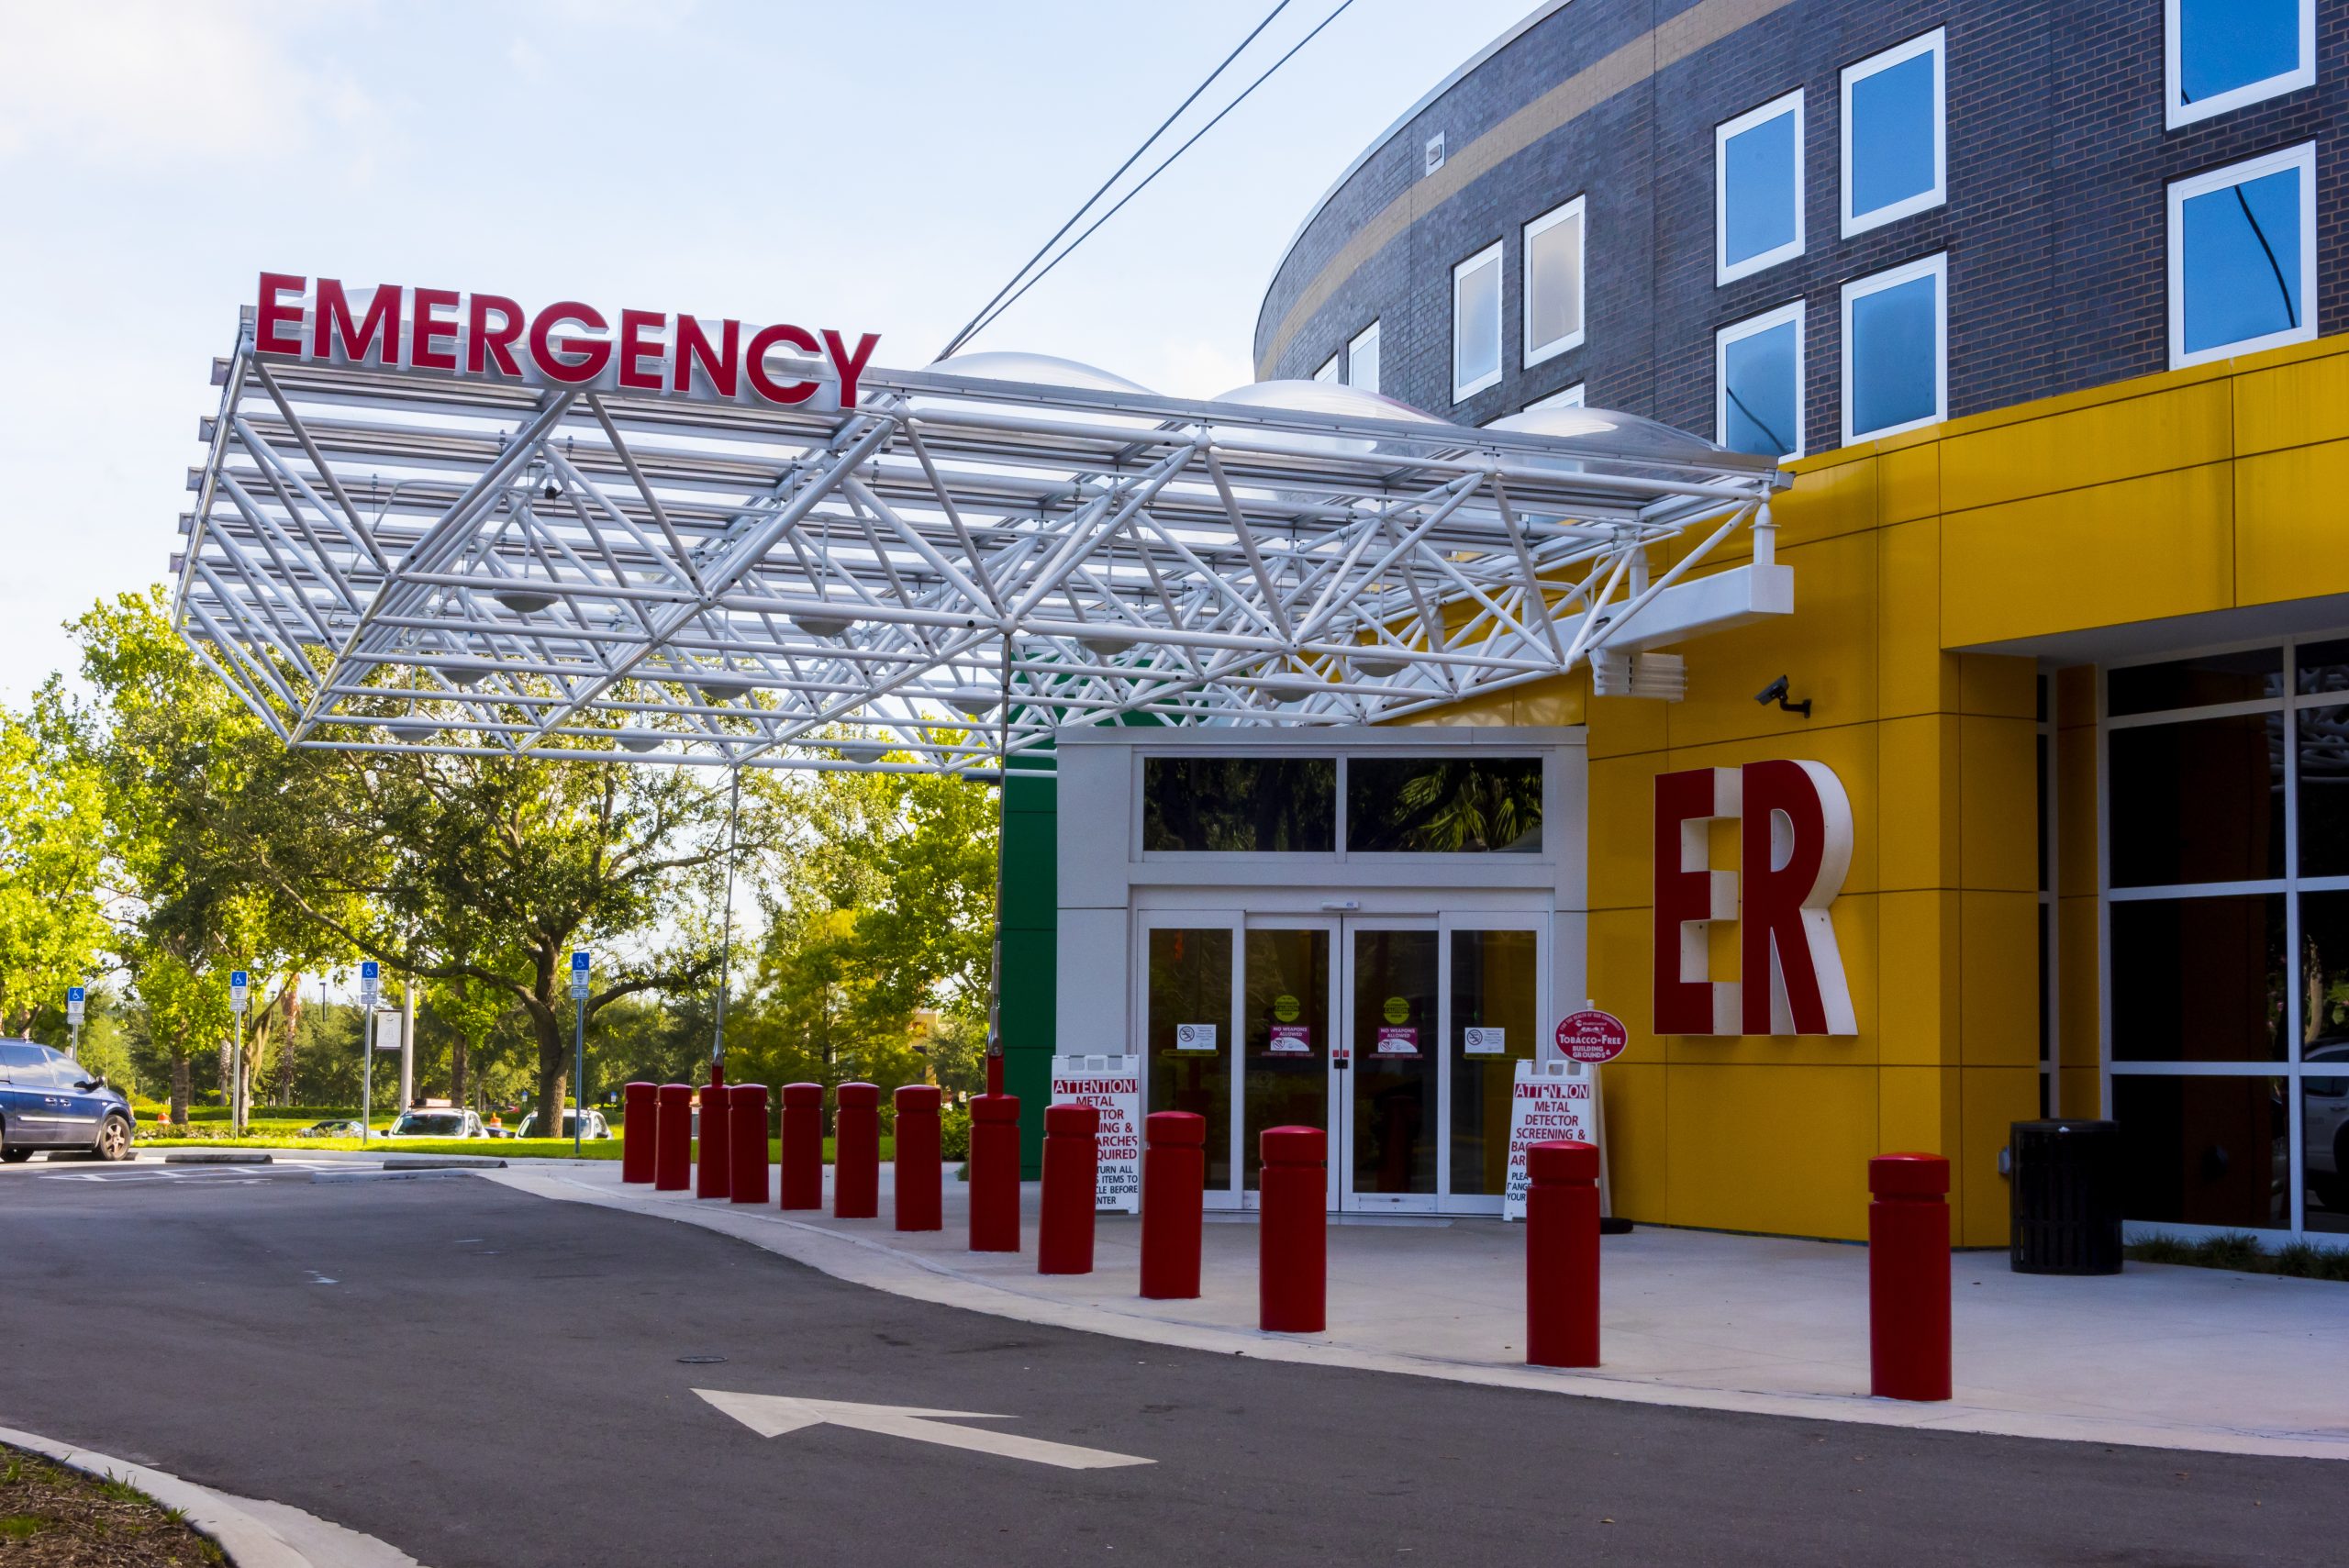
1022 281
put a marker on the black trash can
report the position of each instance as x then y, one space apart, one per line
2063 1197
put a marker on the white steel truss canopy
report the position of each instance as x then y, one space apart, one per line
930 580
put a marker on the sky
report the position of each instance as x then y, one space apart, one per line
877 166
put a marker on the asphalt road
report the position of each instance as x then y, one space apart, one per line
481 1377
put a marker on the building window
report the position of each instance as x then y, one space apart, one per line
1361 359
1569 397
1328 370
2226 889
1895 350
2243 257
1443 804
1553 283
1239 805
1895 146
1757 189
2222 54
1476 323
1757 370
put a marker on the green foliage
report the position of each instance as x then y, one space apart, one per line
2243 1253
52 847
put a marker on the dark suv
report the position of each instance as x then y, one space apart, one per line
48 1100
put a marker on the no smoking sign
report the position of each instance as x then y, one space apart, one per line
1592 1036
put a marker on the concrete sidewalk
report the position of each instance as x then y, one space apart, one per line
2158 1356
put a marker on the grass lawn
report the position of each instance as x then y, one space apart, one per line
50 1515
265 1137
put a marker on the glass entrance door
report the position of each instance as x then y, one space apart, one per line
1390 1091
1398 1036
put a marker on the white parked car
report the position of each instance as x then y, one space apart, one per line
595 1127
437 1121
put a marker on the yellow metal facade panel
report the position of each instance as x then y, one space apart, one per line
2079 1008
1780 1148
1917 1019
2109 441
1634 1097
1916 783
2134 549
1999 804
2083 1092
1995 1098
1998 686
2298 403
1998 989
2289 543
1913 675
1825 649
2076 774
1908 483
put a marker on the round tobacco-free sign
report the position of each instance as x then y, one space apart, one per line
1285 1007
1396 1009
1592 1036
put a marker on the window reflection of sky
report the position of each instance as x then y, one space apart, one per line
2227 44
2242 261
1892 134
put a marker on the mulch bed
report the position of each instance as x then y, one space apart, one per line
54 1518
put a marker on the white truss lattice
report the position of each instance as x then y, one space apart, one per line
933 580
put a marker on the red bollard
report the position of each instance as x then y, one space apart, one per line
995 1173
1174 1185
1909 1277
746 1142
715 1166
1293 1238
640 1130
672 1138
856 1151
920 1176
1562 1254
1071 1175
802 1176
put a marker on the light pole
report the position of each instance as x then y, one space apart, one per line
725 939
371 975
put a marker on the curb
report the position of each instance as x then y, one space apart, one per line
249 1542
219 1157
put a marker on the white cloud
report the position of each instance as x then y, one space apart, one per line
148 82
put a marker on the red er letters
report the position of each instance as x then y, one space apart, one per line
1796 847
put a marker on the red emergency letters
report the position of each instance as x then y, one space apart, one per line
1796 848
565 344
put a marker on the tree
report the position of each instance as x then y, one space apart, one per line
52 854
174 746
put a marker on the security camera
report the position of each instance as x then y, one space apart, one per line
1775 692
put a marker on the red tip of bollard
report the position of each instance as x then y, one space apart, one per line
918 1098
1907 1175
860 1097
1294 1146
1563 1159
995 1108
1072 1119
1179 1127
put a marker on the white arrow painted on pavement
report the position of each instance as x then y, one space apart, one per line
772 1415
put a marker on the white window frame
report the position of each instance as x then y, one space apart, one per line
1460 392
1572 211
1368 335
2177 113
1936 267
1937 43
1724 270
2302 158
1328 370
1564 397
1739 330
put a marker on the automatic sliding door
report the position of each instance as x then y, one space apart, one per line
1496 997
1285 1038
1391 1103
1186 1036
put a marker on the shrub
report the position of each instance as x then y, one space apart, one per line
954 1133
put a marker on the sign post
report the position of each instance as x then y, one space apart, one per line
1111 1085
578 1052
371 980
75 997
238 989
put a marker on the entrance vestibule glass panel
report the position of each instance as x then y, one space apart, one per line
1493 1026
1185 1035
2198 801
2204 1151
1443 804
1241 805
2198 979
1392 1030
1285 1036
